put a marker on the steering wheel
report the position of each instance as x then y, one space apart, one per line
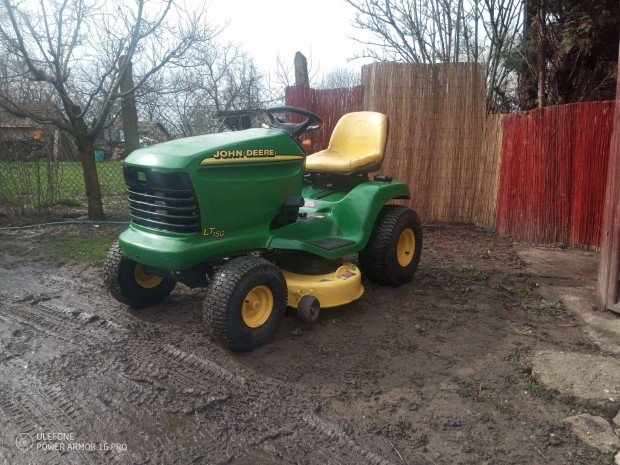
312 122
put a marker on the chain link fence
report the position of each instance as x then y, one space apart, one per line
41 176
41 179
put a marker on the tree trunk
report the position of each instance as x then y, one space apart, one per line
527 76
130 114
91 180
457 43
542 59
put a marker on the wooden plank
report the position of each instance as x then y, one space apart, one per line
610 241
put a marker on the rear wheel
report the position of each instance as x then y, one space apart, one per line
130 284
245 302
394 248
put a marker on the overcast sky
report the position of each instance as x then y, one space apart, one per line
320 29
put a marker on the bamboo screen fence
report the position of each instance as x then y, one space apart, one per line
439 143
485 203
554 171
440 140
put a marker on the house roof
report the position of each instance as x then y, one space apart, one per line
7 120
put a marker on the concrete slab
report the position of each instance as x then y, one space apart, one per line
595 431
601 326
589 380
570 276
561 263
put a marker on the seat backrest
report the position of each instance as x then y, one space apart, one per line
360 136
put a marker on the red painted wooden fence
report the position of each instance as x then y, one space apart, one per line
553 174
329 104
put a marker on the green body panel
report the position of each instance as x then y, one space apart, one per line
349 216
238 198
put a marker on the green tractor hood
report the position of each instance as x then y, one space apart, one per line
251 145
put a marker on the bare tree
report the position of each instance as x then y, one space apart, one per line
502 29
432 31
72 50
222 79
340 77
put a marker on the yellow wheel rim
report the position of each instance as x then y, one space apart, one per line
257 306
145 280
406 247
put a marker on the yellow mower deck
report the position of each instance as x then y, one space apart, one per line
332 289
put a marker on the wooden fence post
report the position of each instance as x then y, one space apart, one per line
301 70
610 234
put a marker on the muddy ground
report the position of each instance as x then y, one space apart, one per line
433 372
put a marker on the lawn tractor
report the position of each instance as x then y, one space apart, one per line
261 225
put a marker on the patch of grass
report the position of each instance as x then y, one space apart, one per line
369 363
481 394
491 253
344 352
526 330
546 305
297 332
86 248
535 388
465 289
521 365
297 364
475 274
472 392
502 405
525 290
420 329
469 272
508 289
435 272
68 203
461 309
467 392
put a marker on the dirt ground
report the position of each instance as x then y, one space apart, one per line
433 372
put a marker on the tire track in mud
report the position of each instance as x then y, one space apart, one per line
58 321
151 373
318 440
43 409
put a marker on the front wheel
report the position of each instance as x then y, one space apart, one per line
308 309
394 248
246 300
128 283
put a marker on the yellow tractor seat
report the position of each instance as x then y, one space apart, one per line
357 144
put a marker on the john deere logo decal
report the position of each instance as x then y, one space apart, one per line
141 176
258 155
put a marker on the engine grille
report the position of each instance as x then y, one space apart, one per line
161 199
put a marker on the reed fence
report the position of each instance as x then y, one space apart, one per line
438 123
554 172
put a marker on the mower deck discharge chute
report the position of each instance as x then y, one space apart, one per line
248 216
